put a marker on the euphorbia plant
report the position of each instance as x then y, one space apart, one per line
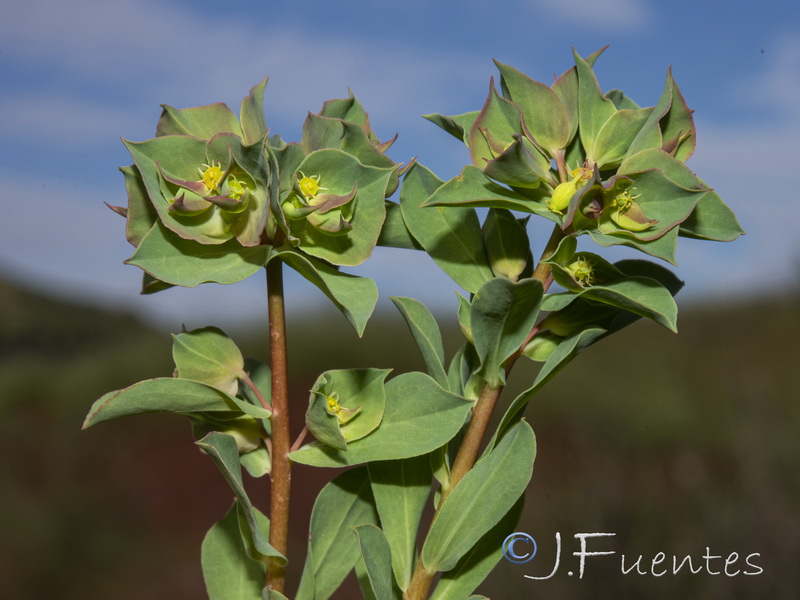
214 198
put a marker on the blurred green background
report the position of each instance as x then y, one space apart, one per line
674 443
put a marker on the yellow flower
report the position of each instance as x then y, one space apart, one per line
211 176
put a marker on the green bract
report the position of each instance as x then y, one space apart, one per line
213 198
561 152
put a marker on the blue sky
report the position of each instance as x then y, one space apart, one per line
76 76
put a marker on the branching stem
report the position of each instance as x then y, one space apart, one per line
422 579
256 392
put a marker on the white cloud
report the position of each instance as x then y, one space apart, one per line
606 14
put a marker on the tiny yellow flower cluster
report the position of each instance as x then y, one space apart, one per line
333 405
582 270
309 186
211 176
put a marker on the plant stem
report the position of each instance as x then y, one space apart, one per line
422 579
542 271
478 424
281 467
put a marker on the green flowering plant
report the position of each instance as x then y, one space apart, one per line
214 198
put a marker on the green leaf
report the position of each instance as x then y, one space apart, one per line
475 565
566 88
269 594
257 462
481 499
495 128
464 324
616 135
378 559
656 158
251 113
228 571
661 199
544 115
677 126
425 331
503 314
621 101
594 109
568 349
451 236
203 122
344 503
712 219
321 132
140 212
163 394
420 416
643 296
224 453
506 242
394 233
209 356
346 109
473 188
355 297
172 259
521 165
649 135
457 125
358 390
339 173
663 247
323 425
401 489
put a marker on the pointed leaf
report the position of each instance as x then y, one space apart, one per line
394 233
474 188
224 453
521 165
452 236
401 489
377 558
254 124
420 416
566 88
503 314
355 297
163 394
203 122
712 219
209 356
594 109
140 212
544 115
425 331
494 129
481 499
616 135
228 571
456 125
476 564
172 259
344 503
678 123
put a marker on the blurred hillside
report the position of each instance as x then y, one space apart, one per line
674 443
